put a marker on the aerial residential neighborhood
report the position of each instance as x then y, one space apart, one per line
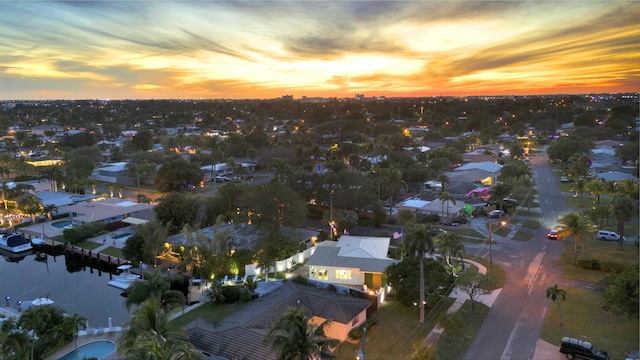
249 217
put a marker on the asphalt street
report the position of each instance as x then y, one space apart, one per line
512 328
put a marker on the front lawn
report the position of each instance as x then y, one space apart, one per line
495 271
584 318
454 344
528 213
601 252
395 332
208 312
531 224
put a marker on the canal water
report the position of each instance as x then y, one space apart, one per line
75 289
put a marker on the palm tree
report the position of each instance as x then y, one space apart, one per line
579 187
578 226
282 169
450 248
214 294
419 243
445 197
596 188
392 183
628 187
74 323
499 192
14 343
152 336
294 337
623 208
5 190
555 293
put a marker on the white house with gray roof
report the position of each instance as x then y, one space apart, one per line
352 260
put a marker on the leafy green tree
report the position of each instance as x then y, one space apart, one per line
80 167
173 211
152 336
578 226
563 148
157 287
274 205
475 284
451 249
620 291
555 294
153 236
178 174
141 171
294 337
142 141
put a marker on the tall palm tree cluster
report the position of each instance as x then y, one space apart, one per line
38 332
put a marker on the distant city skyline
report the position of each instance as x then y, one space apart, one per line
251 49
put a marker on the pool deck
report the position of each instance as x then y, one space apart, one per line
82 340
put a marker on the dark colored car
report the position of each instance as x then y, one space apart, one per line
552 234
579 349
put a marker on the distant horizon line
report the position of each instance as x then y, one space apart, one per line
355 97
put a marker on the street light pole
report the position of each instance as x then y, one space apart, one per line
490 243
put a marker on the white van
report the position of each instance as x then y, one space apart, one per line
605 235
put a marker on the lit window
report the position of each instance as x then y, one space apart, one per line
343 274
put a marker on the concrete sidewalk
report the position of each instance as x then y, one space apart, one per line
461 297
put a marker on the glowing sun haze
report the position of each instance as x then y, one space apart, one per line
251 49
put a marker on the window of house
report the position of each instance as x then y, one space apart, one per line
323 275
355 321
343 274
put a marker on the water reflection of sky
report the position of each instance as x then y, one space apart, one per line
84 292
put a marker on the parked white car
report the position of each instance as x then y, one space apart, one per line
605 235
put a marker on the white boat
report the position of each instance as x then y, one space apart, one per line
15 243
124 278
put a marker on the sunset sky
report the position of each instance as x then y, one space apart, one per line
266 49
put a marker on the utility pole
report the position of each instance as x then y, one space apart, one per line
360 355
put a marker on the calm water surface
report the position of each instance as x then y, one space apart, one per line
84 292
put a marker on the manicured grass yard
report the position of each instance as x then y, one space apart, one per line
531 224
583 318
453 346
208 312
528 213
523 235
393 336
599 250
89 245
113 251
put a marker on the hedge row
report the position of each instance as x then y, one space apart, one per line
595 264
78 234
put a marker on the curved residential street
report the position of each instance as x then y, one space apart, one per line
511 330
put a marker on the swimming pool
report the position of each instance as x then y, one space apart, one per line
96 349
61 224
120 236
